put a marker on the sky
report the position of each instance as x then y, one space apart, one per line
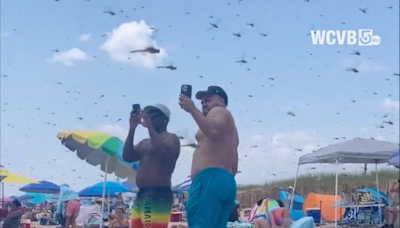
66 65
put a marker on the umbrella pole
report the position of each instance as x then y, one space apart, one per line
104 192
336 190
294 189
2 195
379 193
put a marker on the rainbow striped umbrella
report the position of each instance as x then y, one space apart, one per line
98 148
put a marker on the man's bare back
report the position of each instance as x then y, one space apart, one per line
220 154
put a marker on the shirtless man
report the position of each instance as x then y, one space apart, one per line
157 155
215 160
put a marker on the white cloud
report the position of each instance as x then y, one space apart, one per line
267 158
364 65
380 137
133 36
4 34
68 57
390 103
84 37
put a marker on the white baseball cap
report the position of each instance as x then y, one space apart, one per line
159 107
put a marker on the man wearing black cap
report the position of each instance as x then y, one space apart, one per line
215 160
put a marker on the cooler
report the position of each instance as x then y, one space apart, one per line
25 223
315 213
175 217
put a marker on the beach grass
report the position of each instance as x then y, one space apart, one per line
328 179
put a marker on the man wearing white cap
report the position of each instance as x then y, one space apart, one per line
157 155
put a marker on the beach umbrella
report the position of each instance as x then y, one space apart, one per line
130 187
25 197
6 200
13 178
108 188
39 198
2 177
35 198
184 186
98 148
41 187
394 159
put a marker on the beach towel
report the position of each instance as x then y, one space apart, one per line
253 213
85 212
239 225
94 220
66 194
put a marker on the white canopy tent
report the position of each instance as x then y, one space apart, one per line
357 150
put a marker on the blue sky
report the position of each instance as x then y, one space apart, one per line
311 81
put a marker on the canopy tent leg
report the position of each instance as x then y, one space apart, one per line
336 189
294 189
378 192
104 192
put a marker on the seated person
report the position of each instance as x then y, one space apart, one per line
394 208
13 219
174 208
277 215
235 213
119 219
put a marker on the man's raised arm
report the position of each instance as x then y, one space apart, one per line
131 153
214 124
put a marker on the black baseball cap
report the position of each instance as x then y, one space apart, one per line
213 90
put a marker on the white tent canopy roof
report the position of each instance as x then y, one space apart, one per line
357 150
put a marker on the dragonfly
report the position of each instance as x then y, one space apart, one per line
354 69
312 29
242 60
214 25
170 67
150 50
192 145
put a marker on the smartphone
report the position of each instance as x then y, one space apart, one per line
186 90
135 108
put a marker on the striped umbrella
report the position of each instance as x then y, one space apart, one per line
184 186
98 148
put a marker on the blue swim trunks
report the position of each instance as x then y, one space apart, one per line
211 199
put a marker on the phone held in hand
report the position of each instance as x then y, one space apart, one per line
186 90
135 108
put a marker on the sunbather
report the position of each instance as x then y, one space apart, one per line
276 215
13 219
393 209
119 220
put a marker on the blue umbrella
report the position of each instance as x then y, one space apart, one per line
111 189
130 187
34 198
184 186
39 199
41 187
25 197
394 159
